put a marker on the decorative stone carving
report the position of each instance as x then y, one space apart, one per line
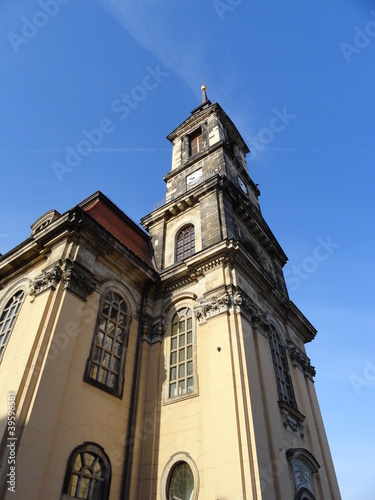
300 360
49 279
212 307
242 304
292 419
152 333
76 281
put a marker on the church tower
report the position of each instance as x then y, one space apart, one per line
160 365
230 388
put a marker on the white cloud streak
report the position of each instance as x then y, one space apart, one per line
145 22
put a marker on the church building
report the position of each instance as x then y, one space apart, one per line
160 364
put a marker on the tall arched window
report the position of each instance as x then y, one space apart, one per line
88 473
8 319
185 243
181 361
196 142
280 362
106 363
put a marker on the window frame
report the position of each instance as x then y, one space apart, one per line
5 319
171 478
173 462
281 369
196 141
304 483
97 451
182 242
96 346
180 313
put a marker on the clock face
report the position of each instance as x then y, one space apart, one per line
194 177
242 184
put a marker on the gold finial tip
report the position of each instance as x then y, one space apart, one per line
203 88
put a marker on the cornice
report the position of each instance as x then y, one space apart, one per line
299 322
183 201
187 125
194 159
255 223
186 280
197 265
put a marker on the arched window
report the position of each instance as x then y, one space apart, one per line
88 473
181 361
196 142
280 362
304 465
8 319
106 363
185 243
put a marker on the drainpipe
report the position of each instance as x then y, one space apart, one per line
130 433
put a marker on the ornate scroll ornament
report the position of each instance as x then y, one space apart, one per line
292 420
50 277
212 307
300 360
152 333
76 281
244 305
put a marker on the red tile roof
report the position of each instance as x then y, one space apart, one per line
122 228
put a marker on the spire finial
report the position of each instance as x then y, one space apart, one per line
204 93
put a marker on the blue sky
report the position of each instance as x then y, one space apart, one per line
68 69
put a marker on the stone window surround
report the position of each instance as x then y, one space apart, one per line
181 237
93 449
173 308
281 367
186 149
5 303
114 287
175 459
183 345
303 465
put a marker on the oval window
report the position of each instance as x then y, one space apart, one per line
181 483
